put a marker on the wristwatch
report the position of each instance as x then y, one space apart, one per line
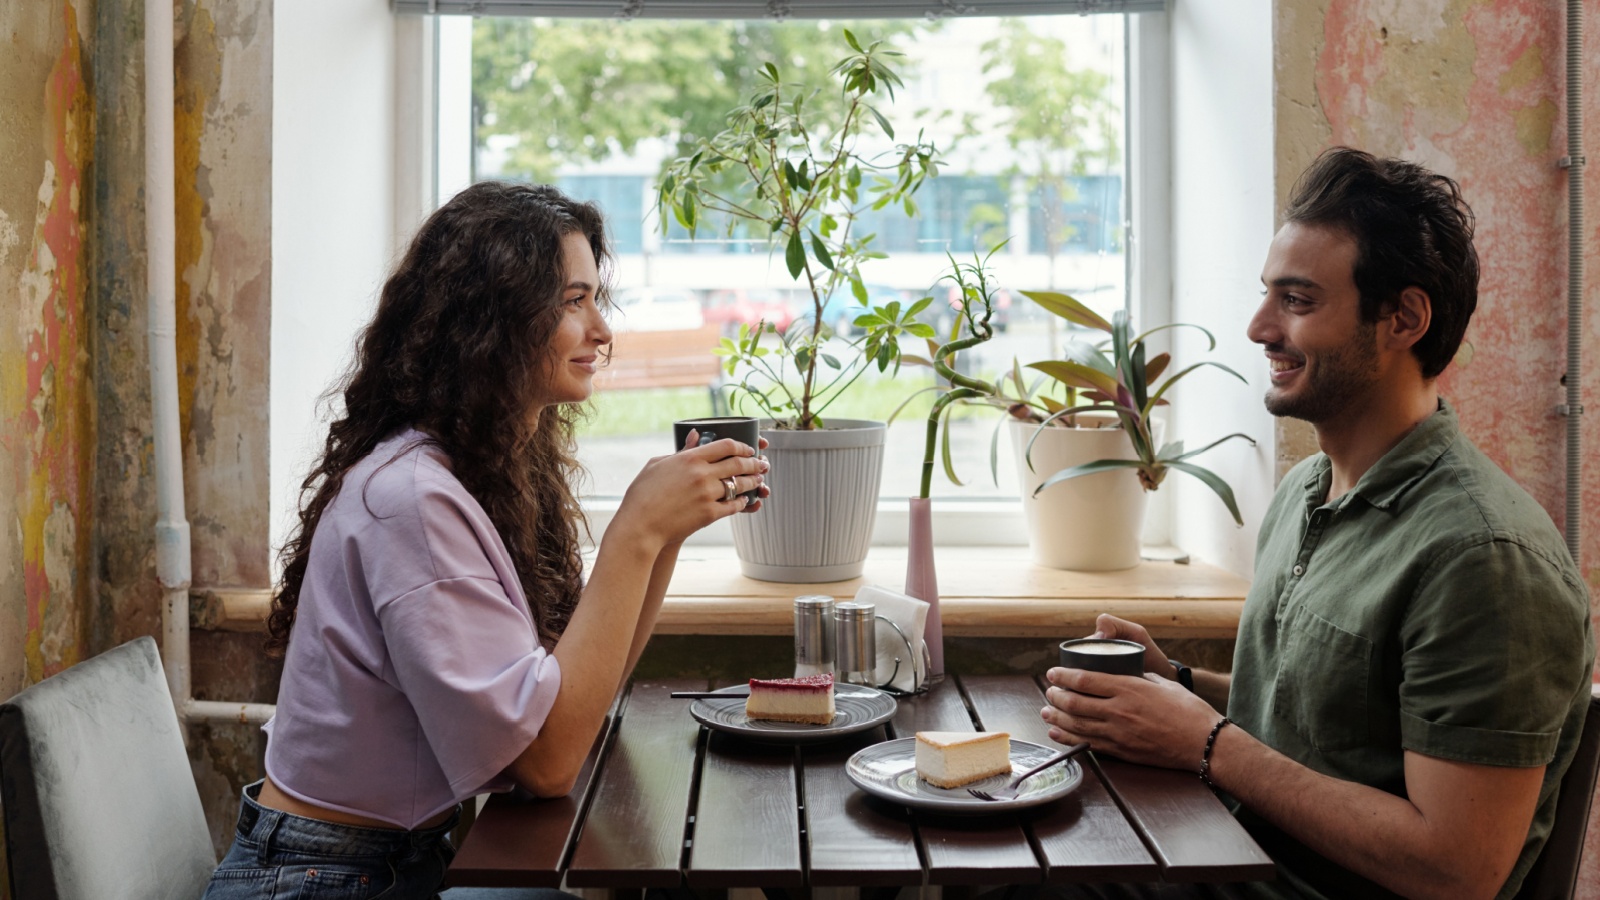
1185 674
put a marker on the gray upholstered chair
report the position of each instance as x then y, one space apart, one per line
99 800
1555 875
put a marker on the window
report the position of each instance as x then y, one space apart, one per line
598 106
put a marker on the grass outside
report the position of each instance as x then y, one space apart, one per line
630 412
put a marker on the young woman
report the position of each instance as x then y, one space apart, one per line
440 640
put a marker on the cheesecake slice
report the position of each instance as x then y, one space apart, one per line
807 701
950 759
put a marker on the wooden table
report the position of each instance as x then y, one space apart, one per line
664 803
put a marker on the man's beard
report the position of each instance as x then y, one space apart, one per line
1340 380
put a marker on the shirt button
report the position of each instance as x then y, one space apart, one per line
1299 570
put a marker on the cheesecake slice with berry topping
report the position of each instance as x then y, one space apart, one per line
808 701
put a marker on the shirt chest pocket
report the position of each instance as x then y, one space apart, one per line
1320 688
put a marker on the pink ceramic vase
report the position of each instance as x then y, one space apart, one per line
922 582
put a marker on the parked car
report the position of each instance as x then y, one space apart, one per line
656 309
732 307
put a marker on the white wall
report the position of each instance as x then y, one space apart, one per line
332 210
1222 222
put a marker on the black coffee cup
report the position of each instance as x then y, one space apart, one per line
1109 655
744 429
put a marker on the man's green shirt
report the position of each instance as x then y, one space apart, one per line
1433 608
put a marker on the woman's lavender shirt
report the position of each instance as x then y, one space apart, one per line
414 674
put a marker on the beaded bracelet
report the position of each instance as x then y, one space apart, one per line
1205 758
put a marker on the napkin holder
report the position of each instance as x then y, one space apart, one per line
902 652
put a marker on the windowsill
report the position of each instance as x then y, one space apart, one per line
984 592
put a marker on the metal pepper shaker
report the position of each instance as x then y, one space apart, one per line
813 635
857 643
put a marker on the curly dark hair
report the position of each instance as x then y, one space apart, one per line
448 352
1411 228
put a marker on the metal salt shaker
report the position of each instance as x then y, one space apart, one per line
813 635
857 646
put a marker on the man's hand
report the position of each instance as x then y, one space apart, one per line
1146 720
1109 626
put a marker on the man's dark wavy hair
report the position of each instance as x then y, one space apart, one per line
1411 228
458 349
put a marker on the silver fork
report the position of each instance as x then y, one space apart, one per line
1009 792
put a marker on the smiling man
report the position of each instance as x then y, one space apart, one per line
1413 662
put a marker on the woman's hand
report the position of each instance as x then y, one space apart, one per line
762 492
676 495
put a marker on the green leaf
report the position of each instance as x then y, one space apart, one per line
907 401
1075 375
1179 455
921 330
1068 308
858 289
882 122
790 176
1089 468
994 451
1211 480
918 306
795 256
1086 354
1136 377
820 251
1166 385
1200 328
944 452
831 360
851 40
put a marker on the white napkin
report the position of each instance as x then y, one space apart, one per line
910 615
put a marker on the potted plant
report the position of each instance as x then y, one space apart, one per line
797 165
975 307
1100 446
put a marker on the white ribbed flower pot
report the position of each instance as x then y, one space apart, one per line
817 524
1090 523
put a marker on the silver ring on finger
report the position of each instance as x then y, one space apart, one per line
731 489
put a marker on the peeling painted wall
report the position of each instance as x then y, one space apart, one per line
76 485
46 391
46 383
1473 89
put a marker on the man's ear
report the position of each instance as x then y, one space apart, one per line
1413 313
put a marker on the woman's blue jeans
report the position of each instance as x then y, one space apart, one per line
286 857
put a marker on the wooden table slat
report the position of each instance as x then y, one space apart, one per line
1192 834
519 840
854 839
969 850
747 823
1084 836
633 835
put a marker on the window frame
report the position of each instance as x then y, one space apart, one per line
1146 206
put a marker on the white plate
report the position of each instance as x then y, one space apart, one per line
889 770
856 708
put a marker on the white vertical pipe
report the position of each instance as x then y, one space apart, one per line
172 528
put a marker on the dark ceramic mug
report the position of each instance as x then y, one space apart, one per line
744 429
1109 655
